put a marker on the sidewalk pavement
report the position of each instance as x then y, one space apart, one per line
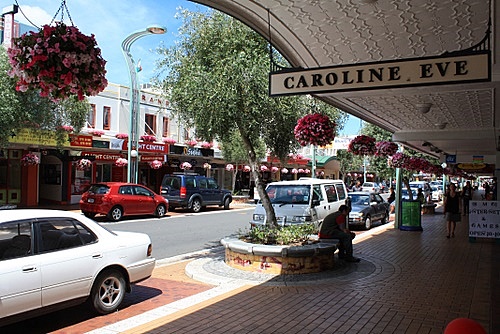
407 282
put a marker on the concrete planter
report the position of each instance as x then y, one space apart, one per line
279 260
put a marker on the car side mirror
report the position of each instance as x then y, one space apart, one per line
315 202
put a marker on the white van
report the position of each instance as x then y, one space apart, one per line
306 200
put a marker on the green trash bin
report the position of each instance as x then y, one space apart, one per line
411 216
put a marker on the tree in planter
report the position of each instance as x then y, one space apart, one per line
217 80
27 110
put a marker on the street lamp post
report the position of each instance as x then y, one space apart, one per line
133 136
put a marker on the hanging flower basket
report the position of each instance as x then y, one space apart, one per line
385 148
307 171
148 138
362 145
263 168
67 128
30 159
191 143
96 133
246 169
206 165
170 141
301 171
121 136
294 171
186 166
121 162
83 164
284 171
229 167
207 145
155 164
398 160
315 129
58 60
274 169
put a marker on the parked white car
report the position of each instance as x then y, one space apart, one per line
370 187
51 259
437 192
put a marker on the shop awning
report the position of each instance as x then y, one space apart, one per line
321 161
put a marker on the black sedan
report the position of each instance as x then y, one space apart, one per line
367 207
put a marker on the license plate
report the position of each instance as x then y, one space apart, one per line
90 200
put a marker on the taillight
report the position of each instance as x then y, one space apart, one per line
150 250
183 192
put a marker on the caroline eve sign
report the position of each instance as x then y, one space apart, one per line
412 72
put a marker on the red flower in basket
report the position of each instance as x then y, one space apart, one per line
398 160
362 145
59 61
315 129
385 148
155 164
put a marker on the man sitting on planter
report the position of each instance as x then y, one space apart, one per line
334 226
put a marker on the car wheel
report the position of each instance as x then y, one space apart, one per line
368 223
160 211
196 205
108 291
115 214
385 218
227 201
89 214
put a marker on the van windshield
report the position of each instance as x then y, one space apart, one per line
289 194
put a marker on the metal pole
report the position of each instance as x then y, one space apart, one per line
133 138
313 164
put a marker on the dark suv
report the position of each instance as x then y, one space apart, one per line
193 192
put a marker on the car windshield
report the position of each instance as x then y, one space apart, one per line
289 194
99 189
359 199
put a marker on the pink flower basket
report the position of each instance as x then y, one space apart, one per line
315 129
121 136
386 148
30 159
169 141
59 61
229 167
186 166
121 162
155 164
362 145
148 138
83 164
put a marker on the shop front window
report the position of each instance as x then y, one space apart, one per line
103 173
80 181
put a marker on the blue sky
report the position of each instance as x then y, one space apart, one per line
111 21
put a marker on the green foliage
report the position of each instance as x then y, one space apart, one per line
28 110
234 150
287 235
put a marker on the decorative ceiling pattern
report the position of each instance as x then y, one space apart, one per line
462 118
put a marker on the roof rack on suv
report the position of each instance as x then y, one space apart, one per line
185 173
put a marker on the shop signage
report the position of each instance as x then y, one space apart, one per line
101 156
484 219
425 71
191 151
451 159
28 136
117 144
148 147
148 158
80 141
100 143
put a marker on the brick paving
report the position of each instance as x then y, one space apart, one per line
418 283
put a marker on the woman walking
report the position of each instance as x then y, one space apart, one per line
451 210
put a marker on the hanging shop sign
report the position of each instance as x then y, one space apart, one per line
100 143
149 158
448 69
80 141
148 147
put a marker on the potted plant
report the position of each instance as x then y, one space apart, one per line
314 129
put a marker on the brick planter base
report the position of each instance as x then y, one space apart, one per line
279 260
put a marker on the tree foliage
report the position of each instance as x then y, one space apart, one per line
27 110
216 78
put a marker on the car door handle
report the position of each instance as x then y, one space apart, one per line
97 256
29 268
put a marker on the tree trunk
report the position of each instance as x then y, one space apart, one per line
266 202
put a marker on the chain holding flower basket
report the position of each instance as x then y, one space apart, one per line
362 145
59 61
83 164
315 129
30 159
